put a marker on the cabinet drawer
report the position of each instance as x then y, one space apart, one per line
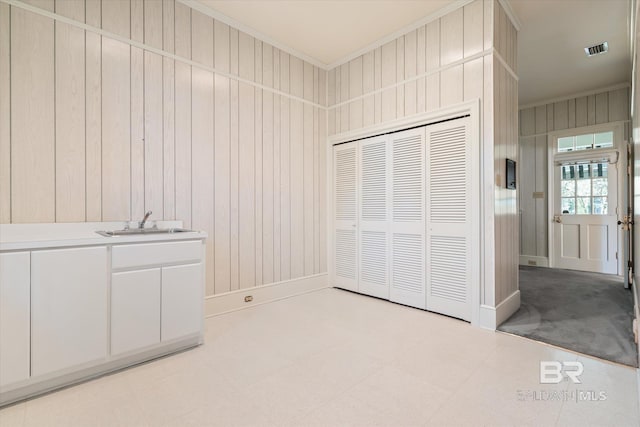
143 254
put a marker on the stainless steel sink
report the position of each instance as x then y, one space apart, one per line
142 231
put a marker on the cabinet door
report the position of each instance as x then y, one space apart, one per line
68 308
182 301
14 317
135 310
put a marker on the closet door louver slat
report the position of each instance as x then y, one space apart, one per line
345 205
449 226
373 224
407 284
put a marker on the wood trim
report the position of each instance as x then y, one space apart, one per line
235 300
492 317
414 78
541 261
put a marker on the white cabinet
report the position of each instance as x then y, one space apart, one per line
182 301
71 312
155 305
15 316
135 310
68 308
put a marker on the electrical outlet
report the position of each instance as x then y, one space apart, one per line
248 298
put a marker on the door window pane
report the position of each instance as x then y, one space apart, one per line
603 140
584 142
584 187
600 206
600 187
569 206
583 205
565 144
568 188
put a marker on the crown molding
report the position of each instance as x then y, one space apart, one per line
506 5
196 5
401 32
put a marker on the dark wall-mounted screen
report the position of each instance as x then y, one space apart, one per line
511 174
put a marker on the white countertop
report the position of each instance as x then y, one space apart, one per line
16 237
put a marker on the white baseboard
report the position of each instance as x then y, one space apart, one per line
492 317
235 300
536 261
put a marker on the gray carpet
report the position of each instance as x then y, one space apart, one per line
585 312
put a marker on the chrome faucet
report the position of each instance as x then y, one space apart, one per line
144 220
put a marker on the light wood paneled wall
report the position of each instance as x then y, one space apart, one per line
434 66
535 124
160 107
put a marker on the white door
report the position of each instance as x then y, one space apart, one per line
345 216
373 207
452 185
585 228
407 284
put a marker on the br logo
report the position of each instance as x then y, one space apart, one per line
553 372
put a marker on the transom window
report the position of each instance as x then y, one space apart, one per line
584 189
587 141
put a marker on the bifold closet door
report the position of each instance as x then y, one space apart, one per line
345 204
452 187
373 227
407 225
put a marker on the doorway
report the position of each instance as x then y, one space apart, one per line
580 302
585 200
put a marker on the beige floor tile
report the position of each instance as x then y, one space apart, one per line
399 397
13 415
334 358
311 382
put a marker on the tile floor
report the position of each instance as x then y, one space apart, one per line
334 358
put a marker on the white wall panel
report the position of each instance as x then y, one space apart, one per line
70 98
32 95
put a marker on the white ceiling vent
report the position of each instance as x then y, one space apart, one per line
596 49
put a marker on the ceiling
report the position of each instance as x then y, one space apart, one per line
551 59
327 30
551 42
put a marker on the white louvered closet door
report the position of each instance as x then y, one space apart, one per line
373 227
407 226
452 185
345 202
